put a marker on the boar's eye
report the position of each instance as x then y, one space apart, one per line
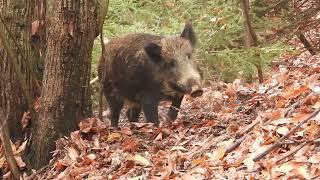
189 55
170 65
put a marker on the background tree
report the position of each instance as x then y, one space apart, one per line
16 31
71 27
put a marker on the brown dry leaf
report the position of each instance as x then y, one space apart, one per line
114 137
287 167
300 117
139 160
230 91
277 114
233 128
130 145
21 148
89 159
282 121
292 93
20 162
127 131
59 166
249 163
316 105
218 154
140 125
72 153
179 148
312 131
199 161
86 125
187 176
303 171
315 158
25 120
2 161
282 130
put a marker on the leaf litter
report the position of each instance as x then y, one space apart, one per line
234 131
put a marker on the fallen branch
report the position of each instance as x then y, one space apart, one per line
290 110
236 144
242 135
313 141
209 142
248 128
278 143
293 151
4 133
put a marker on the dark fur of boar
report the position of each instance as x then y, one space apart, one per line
143 69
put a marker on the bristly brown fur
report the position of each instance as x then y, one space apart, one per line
144 69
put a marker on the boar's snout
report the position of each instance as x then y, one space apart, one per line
192 87
196 91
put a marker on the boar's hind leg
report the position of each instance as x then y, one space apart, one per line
150 109
115 104
174 108
133 113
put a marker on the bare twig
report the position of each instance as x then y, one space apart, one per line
4 133
293 151
248 128
236 144
208 143
278 143
242 135
295 105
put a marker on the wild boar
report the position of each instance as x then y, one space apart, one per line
143 69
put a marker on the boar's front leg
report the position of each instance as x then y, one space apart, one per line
174 108
150 108
115 104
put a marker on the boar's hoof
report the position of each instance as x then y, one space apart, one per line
172 114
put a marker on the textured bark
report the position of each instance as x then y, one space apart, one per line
16 30
250 37
71 26
307 44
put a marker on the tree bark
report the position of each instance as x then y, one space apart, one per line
250 38
307 44
16 30
71 26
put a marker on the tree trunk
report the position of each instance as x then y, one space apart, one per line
250 37
71 26
307 44
16 31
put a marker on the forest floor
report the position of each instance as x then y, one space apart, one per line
233 131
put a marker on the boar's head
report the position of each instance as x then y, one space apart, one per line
174 65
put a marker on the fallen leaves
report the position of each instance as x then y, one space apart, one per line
216 136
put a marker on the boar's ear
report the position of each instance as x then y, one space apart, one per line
189 34
153 50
